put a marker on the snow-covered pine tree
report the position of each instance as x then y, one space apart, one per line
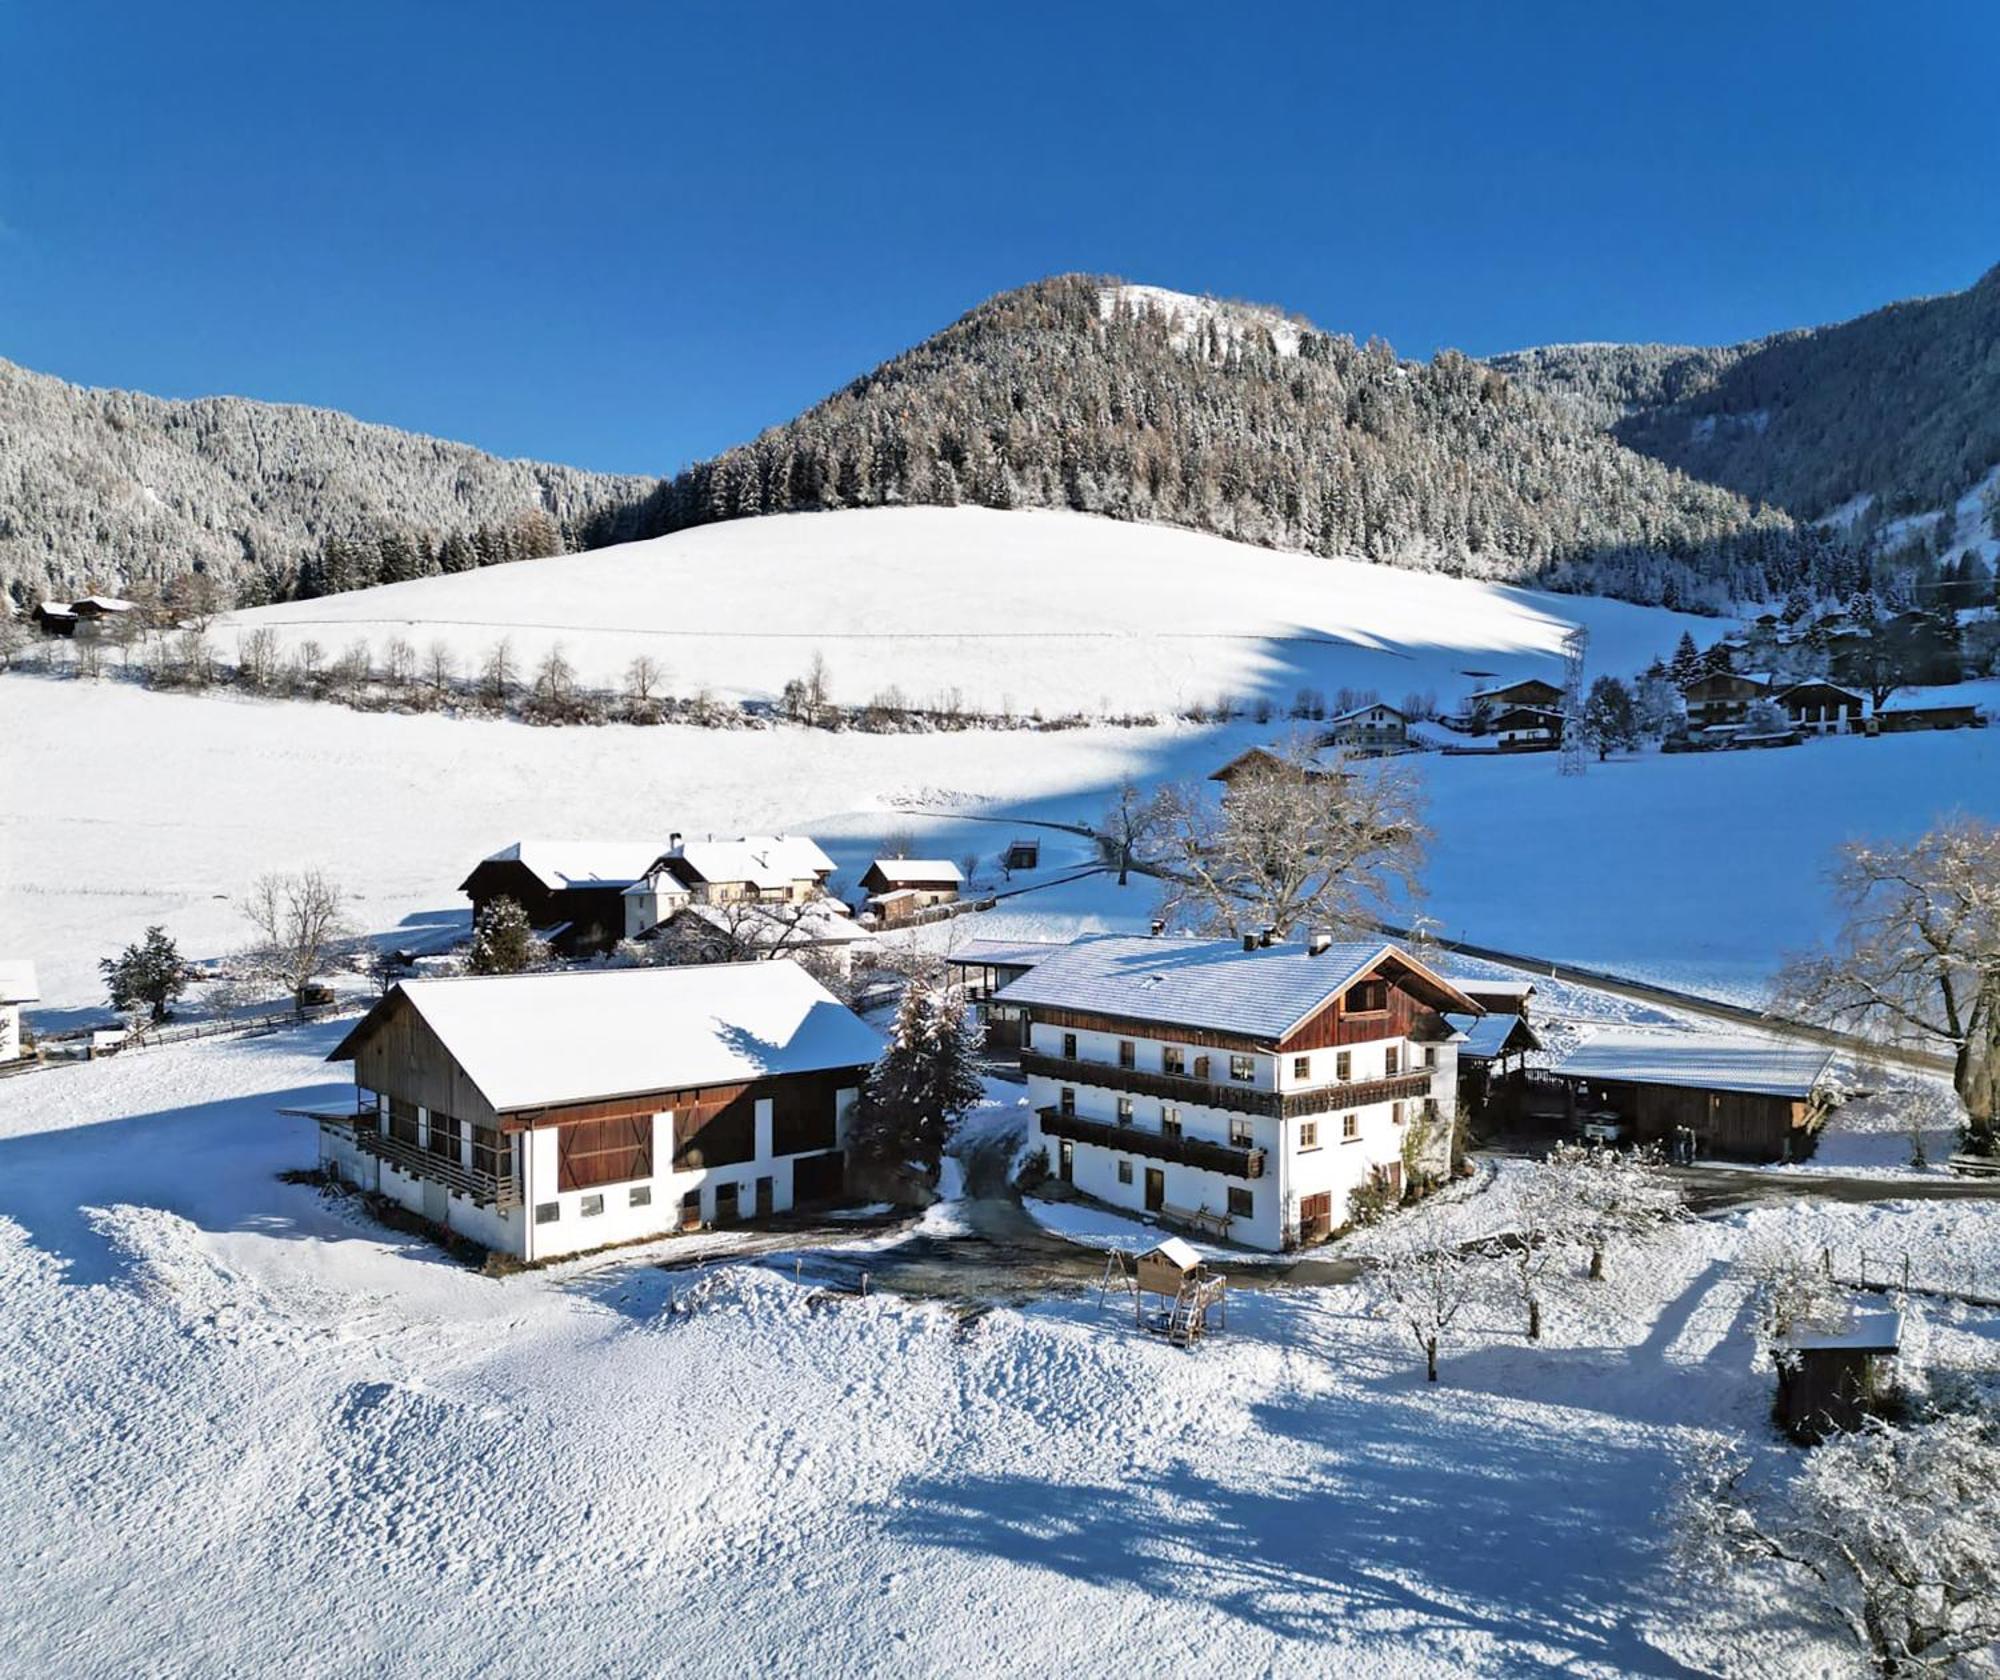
928 1076
1685 666
504 942
147 975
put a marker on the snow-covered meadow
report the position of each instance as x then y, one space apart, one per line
246 1430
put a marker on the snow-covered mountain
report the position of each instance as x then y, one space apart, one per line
1897 410
106 488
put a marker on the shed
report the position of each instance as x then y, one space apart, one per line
1022 854
1168 1266
1744 1096
1829 1380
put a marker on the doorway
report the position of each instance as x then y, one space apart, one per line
1066 1161
1156 1189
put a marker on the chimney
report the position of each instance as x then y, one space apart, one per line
1249 942
1159 927
674 844
1264 939
1319 942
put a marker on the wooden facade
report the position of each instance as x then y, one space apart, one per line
1749 1124
595 915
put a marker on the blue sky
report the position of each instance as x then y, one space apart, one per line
626 236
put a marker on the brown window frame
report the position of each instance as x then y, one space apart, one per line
1302 1067
1172 1060
1242 1068
1367 997
1242 1202
1343 1065
1128 1053
1350 1128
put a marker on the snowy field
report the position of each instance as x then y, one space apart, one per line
246 1431
1059 611
126 808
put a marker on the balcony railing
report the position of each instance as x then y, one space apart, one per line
1175 1087
1357 1094
500 1192
1188 1152
1238 1099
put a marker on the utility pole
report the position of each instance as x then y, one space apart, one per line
1570 761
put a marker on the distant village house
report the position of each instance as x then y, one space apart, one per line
898 889
18 986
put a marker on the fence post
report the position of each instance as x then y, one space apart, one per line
1906 1271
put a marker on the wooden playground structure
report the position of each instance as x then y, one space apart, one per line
1173 1294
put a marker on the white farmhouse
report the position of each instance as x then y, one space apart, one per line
545 1114
17 986
1244 1089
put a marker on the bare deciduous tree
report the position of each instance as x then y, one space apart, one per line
496 676
1311 839
1896 1533
1421 1278
1918 956
257 658
1612 1193
300 921
399 663
440 669
1130 824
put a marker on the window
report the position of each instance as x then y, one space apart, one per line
1392 1062
594 1152
1066 1100
491 1153
1124 1172
1242 1203
1430 1055
641 1196
1243 1069
1240 1136
1201 1067
1350 1127
1368 997
1172 1061
1170 1122
403 1121
1069 1047
1128 1053
1302 1067
1124 1111
1343 1066
445 1132
547 1213
591 1206
1309 1134
1395 1114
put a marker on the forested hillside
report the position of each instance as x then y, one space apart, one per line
1901 405
1075 393
110 489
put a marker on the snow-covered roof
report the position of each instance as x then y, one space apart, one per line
18 983
824 921
1501 689
559 864
1485 1035
1213 984
1478 985
659 881
763 860
1879 1330
919 872
1175 1252
1004 953
1761 1066
1372 706
102 603
531 1041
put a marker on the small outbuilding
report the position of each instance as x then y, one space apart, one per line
933 880
1021 854
1829 1380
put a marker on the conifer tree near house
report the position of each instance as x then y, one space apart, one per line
148 975
1686 665
927 1077
503 942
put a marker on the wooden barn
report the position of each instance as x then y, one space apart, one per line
545 1114
899 888
572 890
1831 1379
1721 697
1760 1099
1822 708
1905 720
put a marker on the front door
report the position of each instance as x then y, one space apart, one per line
1156 1189
766 1196
1066 1161
725 1204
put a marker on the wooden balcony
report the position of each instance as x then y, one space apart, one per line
1172 1087
502 1194
1131 1140
1237 1099
1330 1099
